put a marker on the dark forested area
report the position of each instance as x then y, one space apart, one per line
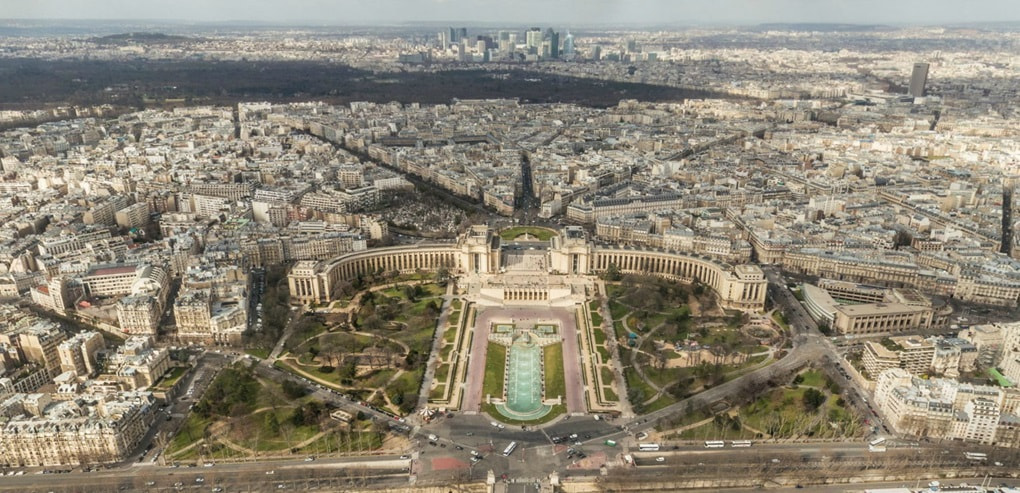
32 83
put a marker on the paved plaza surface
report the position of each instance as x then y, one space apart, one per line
525 317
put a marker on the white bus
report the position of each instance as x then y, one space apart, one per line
509 449
975 456
876 442
648 447
714 444
740 443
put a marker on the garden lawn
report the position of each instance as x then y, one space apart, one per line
543 234
555 383
813 378
191 431
495 370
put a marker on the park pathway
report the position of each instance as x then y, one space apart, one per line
437 341
626 410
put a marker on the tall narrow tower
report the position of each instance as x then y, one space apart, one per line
1007 217
918 78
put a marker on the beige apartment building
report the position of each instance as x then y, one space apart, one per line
48 432
78 354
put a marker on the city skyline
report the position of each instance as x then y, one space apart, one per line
317 256
576 12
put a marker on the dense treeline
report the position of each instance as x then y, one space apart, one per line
151 82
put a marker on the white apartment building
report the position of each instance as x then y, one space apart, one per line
943 408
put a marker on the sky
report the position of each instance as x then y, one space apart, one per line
539 12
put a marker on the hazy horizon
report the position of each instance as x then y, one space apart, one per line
538 12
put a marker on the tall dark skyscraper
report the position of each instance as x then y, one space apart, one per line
1007 217
918 78
553 38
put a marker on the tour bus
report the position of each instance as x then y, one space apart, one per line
648 447
876 442
714 444
509 449
975 456
740 443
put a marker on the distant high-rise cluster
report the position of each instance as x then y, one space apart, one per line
538 45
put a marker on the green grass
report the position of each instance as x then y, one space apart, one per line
634 381
780 319
781 413
555 383
690 418
600 335
618 310
172 377
454 317
265 439
438 392
729 337
377 378
442 371
271 395
999 378
191 431
445 352
607 375
450 335
555 412
603 353
664 400
429 290
543 234
647 322
344 443
664 376
813 378
596 319
716 431
618 329
609 394
456 304
315 370
614 291
260 353
495 370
